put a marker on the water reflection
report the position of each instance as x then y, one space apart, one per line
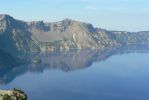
65 61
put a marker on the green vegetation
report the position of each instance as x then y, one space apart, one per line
19 94
6 97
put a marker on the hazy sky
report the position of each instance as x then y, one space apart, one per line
129 15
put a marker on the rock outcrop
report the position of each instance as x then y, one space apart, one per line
14 94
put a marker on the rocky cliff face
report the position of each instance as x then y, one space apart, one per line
16 35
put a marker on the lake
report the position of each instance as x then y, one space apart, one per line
108 74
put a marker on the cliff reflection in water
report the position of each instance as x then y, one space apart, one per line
65 61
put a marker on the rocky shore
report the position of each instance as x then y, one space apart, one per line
15 94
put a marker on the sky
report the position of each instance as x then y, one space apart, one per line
123 15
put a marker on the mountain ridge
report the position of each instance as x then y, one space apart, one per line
17 35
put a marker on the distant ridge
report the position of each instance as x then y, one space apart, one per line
20 36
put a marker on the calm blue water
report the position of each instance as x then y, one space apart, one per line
83 75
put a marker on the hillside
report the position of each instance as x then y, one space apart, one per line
20 36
